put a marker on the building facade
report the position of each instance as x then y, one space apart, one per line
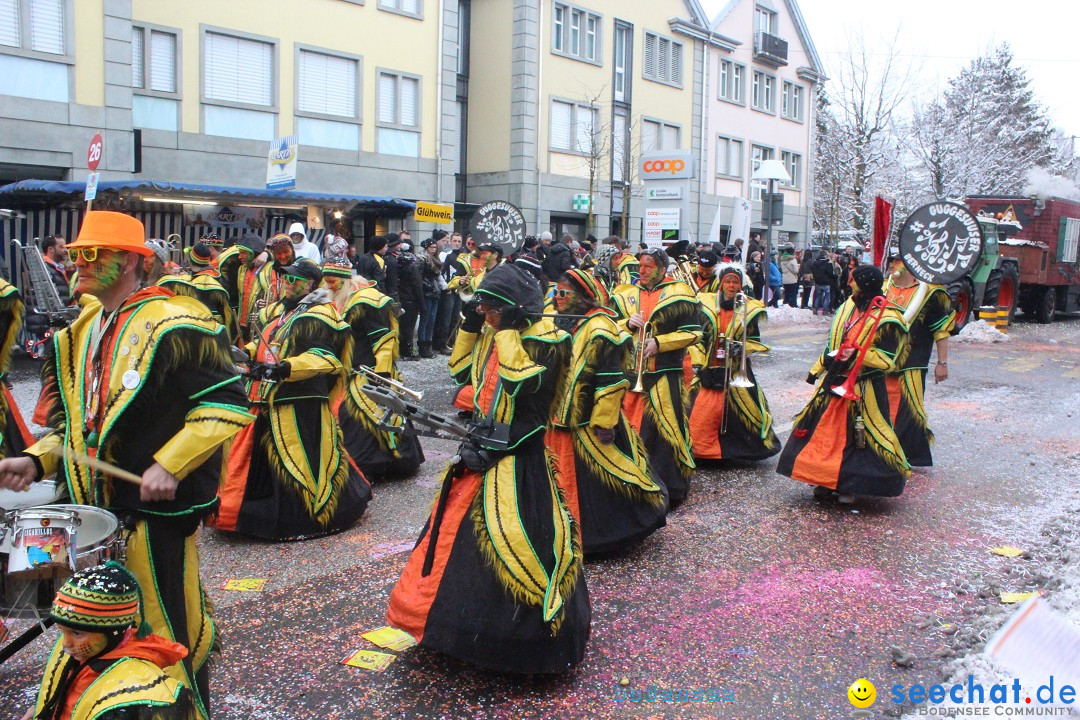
549 104
761 98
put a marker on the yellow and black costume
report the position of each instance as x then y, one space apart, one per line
151 382
660 414
501 585
932 319
14 435
248 287
604 471
126 678
748 433
848 446
204 284
288 475
380 453
627 269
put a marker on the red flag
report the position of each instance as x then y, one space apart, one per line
882 223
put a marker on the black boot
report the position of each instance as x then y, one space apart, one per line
425 351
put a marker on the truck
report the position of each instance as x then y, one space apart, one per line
1030 258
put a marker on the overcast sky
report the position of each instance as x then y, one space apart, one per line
944 35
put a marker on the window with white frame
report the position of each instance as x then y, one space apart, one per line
573 127
791 101
793 163
758 155
658 136
624 50
238 70
663 59
729 156
34 25
327 84
731 79
764 20
153 60
413 8
619 145
398 113
575 33
763 92
1068 240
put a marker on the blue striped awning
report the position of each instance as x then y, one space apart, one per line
38 193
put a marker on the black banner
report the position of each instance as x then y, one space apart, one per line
941 242
501 223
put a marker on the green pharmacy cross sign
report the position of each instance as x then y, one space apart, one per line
582 202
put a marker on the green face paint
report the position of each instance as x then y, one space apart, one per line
101 274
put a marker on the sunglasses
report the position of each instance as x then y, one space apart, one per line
560 293
295 279
89 254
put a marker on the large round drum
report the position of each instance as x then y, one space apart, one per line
97 539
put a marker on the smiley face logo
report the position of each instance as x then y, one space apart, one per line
862 693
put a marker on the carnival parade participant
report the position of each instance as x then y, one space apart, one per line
14 435
484 258
626 266
203 284
283 253
848 447
664 312
930 318
496 576
705 279
381 454
102 667
144 380
288 476
603 469
729 422
248 286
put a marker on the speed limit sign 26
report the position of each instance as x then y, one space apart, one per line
93 153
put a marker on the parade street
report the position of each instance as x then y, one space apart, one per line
769 601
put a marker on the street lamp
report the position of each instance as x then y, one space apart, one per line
770 170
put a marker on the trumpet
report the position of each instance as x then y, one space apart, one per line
740 379
874 313
645 333
398 388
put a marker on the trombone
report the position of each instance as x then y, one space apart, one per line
740 378
398 388
645 333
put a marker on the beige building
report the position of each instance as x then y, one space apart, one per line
566 102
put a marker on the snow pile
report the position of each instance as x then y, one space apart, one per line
1046 185
787 315
980 332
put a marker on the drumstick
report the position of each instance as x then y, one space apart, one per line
107 468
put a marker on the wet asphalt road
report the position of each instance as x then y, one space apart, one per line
754 592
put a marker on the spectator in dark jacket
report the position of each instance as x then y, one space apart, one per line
54 253
431 276
372 264
559 258
775 283
410 295
823 282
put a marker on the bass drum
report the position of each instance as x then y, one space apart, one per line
97 539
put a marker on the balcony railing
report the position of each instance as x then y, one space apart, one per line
770 48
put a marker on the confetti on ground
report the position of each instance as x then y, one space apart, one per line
369 660
390 638
1007 551
245 584
387 549
1016 597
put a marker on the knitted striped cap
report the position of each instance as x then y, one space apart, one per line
200 254
337 267
587 285
279 239
99 599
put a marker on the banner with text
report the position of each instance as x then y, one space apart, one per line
281 163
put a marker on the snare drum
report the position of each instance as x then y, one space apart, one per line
40 493
98 539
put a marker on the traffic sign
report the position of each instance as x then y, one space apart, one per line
93 153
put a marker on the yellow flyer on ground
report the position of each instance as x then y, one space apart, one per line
245 584
1007 551
390 638
369 660
1015 597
